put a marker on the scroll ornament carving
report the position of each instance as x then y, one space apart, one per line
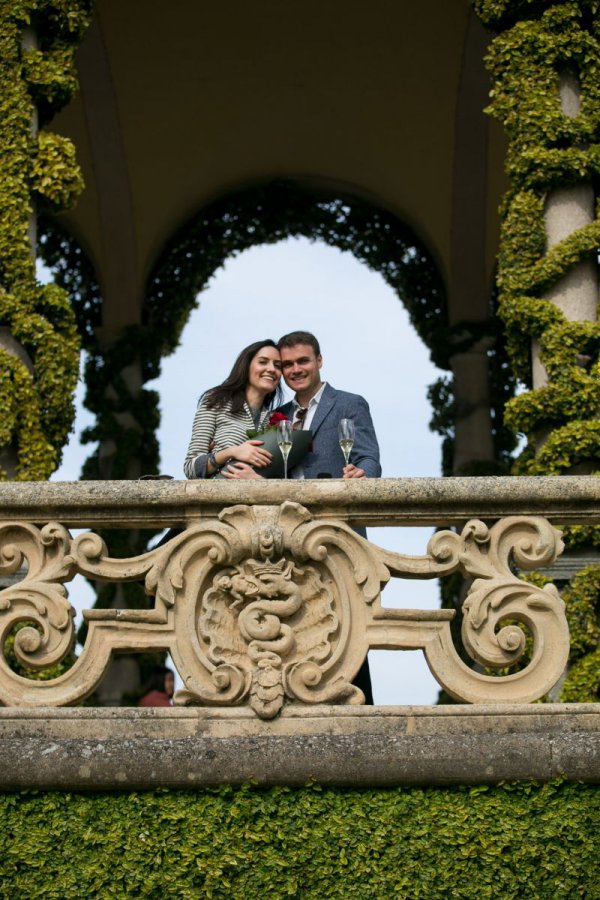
497 594
40 597
265 606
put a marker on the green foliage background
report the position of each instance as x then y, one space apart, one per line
512 841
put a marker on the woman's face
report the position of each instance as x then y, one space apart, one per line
169 684
264 373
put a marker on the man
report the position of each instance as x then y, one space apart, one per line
319 407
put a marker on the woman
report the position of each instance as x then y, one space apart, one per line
227 412
160 688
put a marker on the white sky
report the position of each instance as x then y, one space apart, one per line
368 346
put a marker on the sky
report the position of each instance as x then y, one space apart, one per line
369 347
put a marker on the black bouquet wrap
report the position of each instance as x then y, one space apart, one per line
301 441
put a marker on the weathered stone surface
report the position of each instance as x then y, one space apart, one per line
373 501
75 749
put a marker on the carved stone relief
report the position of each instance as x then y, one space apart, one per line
264 606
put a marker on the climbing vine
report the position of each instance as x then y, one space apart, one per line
39 366
538 43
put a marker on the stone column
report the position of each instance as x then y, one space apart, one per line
468 281
568 209
131 376
473 440
123 677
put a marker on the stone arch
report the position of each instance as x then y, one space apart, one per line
274 211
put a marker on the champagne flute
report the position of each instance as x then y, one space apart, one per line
284 439
346 437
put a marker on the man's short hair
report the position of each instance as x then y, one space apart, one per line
299 337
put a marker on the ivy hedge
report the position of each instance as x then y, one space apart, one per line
510 841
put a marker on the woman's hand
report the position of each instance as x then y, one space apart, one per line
239 470
252 453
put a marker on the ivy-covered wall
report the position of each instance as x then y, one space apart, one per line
523 841
38 170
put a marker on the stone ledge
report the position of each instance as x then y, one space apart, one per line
566 499
102 749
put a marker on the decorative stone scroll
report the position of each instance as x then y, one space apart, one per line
264 606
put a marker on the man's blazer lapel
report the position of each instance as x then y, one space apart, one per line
325 405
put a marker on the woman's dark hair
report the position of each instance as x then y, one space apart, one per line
233 389
156 681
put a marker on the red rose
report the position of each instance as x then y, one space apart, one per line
277 417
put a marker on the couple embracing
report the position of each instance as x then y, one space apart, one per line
247 400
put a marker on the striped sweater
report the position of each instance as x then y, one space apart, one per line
221 426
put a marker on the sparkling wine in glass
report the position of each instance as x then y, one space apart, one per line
284 439
346 437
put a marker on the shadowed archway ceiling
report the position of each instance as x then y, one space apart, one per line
184 101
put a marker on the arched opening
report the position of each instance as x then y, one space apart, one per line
265 216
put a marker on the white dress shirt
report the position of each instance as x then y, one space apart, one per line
311 409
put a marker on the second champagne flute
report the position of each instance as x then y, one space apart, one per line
346 437
284 439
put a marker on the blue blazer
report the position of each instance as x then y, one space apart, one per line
326 455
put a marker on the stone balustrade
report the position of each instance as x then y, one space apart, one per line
267 598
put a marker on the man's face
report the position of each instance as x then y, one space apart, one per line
301 368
